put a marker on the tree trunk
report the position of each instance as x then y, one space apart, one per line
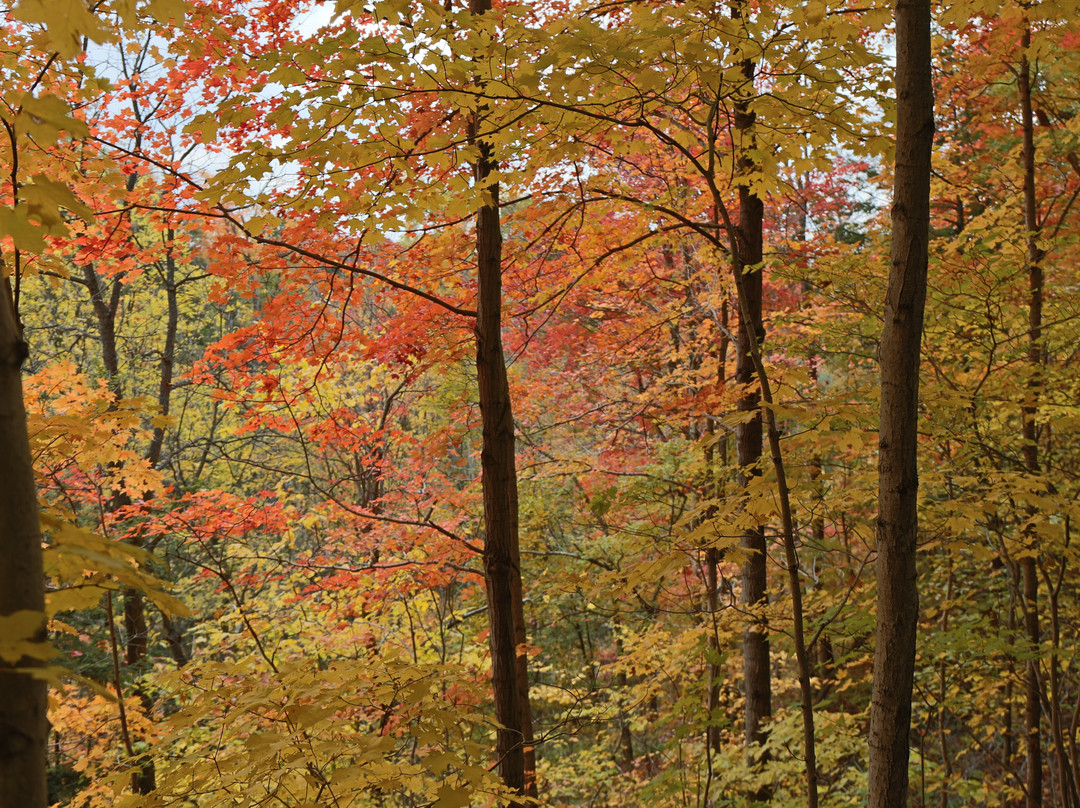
136 630
898 478
168 353
748 435
23 726
715 450
502 558
1029 563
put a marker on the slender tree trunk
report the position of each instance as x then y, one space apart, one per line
748 435
106 309
1007 732
898 478
502 557
943 691
1070 796
1029 563
716 450
791 556
136 629
23 726
166 367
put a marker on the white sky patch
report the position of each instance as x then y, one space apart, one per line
315 18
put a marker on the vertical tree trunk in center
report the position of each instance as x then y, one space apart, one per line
1033 691
748 437
898 477
502 559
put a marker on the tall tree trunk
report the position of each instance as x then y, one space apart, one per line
23 727
898 476
716 460
1029 563
748 436
106 309
166 367
502 557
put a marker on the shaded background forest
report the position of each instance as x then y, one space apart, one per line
252 355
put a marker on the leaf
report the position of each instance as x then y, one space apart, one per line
451 797
167 11
15 222
72 597
94 562
67 22
18 633
44 196
45 117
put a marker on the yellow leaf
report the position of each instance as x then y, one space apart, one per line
15 222
46 195
45 117
67 22
19 633
450 797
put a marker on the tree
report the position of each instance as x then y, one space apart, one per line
22 586
30 208
899 357
375 242
502 553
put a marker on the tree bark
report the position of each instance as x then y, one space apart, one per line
502 557
898 478
23 725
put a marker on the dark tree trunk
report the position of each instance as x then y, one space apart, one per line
1029 564
748 436
136 629
716 460
23 727
898 478
502 558
168 354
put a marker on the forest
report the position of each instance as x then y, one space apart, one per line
570 403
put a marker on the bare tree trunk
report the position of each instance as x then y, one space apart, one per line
898 477
23 726
502 557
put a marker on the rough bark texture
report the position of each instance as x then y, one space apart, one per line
898 480
23 727
502 558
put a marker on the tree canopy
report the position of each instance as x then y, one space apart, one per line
532 403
